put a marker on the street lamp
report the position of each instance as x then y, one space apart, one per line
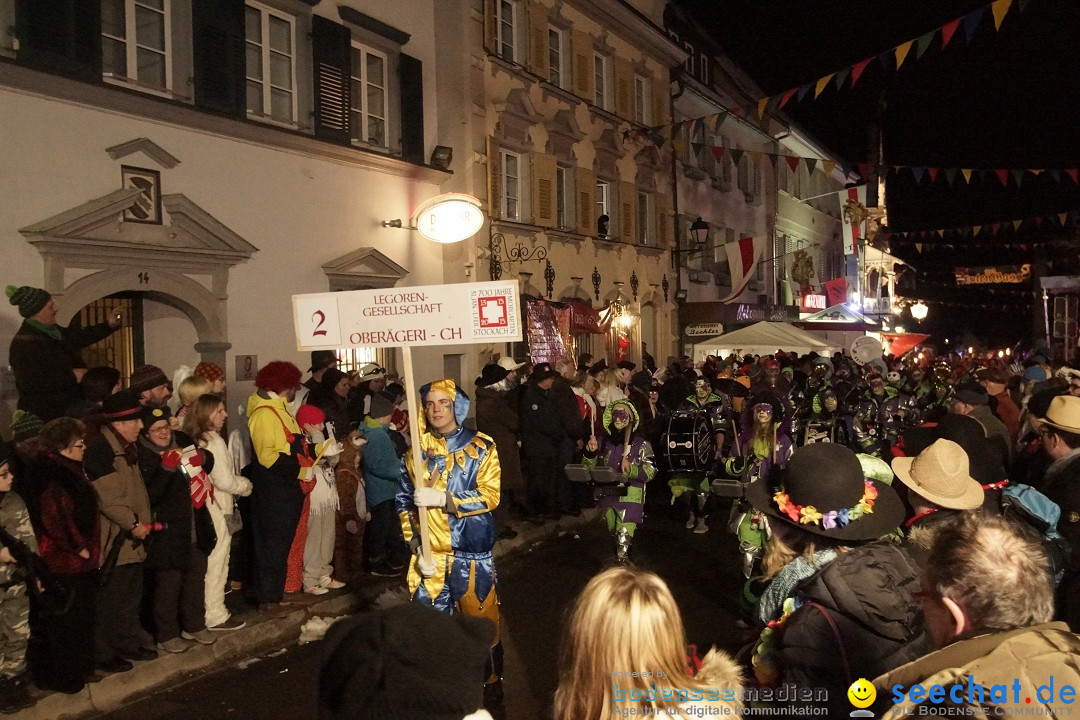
919 310
699 231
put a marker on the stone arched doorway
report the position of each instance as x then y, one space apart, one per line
182 263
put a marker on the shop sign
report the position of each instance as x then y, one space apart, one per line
812 302
457 314
993 275
705 330
772 313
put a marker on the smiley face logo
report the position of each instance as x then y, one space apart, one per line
862 694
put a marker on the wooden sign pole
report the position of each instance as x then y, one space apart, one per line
411 394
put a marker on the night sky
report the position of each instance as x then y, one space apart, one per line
1008 99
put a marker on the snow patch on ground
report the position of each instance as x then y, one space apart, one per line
315 628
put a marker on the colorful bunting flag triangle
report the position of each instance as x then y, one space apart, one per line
857 70
972 20
822 83
902 51
1000 9
947 31
923 43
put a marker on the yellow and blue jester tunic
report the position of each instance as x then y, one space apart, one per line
464 465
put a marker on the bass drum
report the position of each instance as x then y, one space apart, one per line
688 442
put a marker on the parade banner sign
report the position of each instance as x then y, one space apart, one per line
459 314
993 275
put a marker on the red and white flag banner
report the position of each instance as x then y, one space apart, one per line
853 232
742 258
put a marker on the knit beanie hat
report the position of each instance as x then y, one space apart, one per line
210 371
154 415
25 425
30 300
380 406
407 662
146 377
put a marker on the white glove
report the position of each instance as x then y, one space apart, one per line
333 448
426 569
429 497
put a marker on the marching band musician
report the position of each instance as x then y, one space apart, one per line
626 451
716 406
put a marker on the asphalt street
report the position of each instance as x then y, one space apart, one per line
538 585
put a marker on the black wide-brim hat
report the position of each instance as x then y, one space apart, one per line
830 478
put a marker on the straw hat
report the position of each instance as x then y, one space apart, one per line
940 474
1064 414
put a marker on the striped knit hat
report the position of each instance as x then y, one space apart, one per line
30 300
25 425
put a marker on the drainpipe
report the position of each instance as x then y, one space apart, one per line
675 214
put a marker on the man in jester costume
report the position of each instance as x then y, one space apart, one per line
458 490
717 408
627 452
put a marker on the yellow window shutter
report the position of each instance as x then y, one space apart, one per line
538 39
585 186
494 179
543 190
624 88
584 82
491 39
658 89
628 212
664 231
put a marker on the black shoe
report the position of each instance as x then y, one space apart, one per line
385 570
13 695
115 665
141 654
507 534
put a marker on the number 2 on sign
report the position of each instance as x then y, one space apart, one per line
322 321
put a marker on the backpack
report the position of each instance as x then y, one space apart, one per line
1027 505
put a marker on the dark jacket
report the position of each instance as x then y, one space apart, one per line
1062 485
170 502
569 412
542 431
68 518
44 367
866 593
495 418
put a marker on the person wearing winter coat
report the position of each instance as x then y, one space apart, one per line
68 526
204 424
624 622
44 355
987 598
495 418
839 604
112 463
383 542
177 484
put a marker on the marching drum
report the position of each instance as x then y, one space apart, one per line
688 442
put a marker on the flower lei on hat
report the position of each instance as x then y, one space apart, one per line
810 515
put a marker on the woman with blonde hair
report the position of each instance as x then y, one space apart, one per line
189 390
203 423
624 622
609 390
